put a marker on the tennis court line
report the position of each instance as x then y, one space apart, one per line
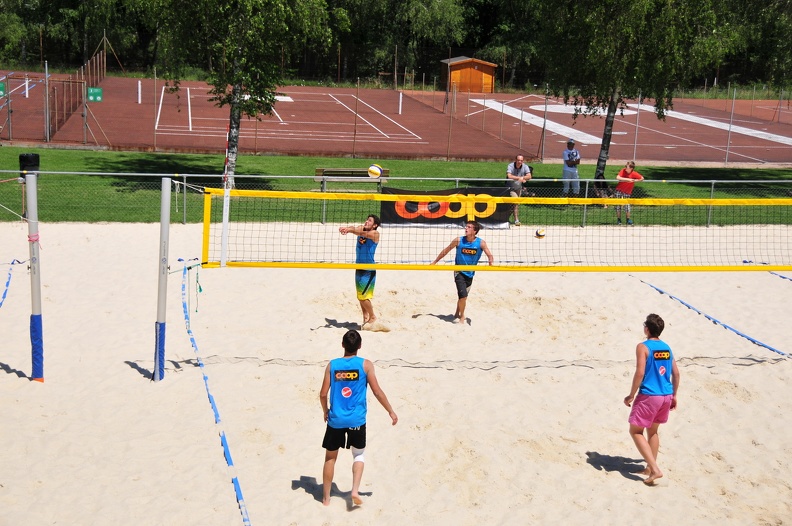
742 130
539 122
386 117
159 110
358 115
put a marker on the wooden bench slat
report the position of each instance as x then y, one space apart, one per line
349 180
348 172
348 175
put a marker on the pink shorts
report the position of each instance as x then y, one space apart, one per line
648 410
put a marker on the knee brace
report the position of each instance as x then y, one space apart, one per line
357 454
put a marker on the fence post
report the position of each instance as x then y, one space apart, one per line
522 110
731 121
47 109
503 111
585 207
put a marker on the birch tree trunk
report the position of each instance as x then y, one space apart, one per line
602 160
233 133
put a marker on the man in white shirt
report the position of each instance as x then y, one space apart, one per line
570 176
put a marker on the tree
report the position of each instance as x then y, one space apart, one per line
241 42
601 54
12 37
512 41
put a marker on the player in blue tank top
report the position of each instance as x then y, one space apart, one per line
468 252
656 381
367 240
343 399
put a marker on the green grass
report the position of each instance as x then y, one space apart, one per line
135 197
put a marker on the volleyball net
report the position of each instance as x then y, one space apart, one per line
248 228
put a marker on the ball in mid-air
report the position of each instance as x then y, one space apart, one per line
540 233
375 170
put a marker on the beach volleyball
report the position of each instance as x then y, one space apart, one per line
539 234
375 170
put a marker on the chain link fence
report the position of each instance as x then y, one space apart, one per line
117 197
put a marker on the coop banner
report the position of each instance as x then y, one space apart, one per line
437 213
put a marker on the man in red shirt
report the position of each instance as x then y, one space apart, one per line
627 178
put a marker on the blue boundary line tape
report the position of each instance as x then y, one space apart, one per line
8 280
716 322
780 276
223 439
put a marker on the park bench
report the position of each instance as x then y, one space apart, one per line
348 175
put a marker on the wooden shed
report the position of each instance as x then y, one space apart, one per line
469 74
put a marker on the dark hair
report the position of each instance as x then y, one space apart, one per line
351 341
376 220
476 225
655 324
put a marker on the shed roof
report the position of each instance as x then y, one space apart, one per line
461 60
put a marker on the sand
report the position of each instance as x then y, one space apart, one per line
514 418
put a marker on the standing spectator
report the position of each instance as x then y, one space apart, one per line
656 380
627 177
518 173
343 399
571 179
468 252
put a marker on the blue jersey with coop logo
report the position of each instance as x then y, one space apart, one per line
468 253
348 383
659 365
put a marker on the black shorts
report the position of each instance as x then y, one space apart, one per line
463 284
346 437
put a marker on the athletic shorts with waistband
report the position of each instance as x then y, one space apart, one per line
335 439
648 410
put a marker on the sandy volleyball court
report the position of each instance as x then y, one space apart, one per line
516 418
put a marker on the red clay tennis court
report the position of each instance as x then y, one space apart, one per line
371 123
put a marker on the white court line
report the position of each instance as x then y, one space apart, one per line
292 137
358 115
361 135
203 131
189 110
696 144
721 125
394 122
159 110
537 121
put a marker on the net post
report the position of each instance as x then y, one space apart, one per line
29 166
225 233
162 291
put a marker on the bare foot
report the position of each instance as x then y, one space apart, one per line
645 471
326 501
650 480
356 500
